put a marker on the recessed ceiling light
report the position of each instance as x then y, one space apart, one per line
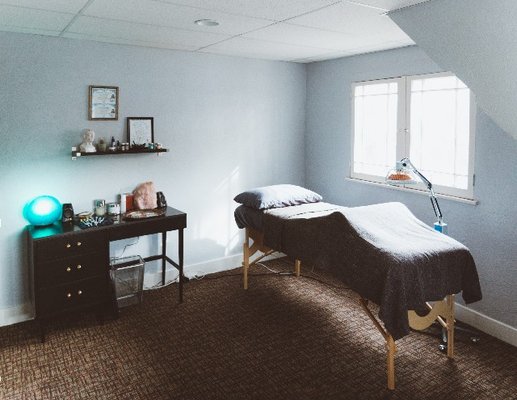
206 22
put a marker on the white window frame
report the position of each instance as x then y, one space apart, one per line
404 137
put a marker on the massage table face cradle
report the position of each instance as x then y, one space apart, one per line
441 311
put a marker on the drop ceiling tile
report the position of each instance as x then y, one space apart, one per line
31 31
304 36
276 10
252 48
388 4
353 19
131 42
31 20
323 57
375 40
381 46
177 16
67 6
176 38
353 52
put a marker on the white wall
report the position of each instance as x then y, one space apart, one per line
476 39
230 124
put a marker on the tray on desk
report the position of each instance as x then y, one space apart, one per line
144 214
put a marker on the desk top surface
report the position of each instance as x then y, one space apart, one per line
172 219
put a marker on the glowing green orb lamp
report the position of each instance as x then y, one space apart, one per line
42 210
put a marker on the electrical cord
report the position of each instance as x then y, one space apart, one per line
124 249
269 269
271 272
159 285
275 272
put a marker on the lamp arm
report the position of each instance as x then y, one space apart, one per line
436 206
407 163
434 201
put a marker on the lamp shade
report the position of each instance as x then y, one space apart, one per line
42 210
401 175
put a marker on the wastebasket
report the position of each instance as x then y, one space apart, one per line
127 274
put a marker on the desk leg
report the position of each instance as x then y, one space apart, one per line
164 255
180 263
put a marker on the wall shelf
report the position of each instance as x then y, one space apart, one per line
76 154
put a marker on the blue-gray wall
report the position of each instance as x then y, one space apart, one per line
488 229
230 123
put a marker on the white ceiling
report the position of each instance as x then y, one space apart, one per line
286 30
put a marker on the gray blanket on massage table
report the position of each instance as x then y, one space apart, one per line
383 252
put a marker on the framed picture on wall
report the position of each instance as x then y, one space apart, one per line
103 103
140 130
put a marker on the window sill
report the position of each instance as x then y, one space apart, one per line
472 202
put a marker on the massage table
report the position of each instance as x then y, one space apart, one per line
382 252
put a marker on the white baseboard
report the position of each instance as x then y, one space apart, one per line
494 328
13 315
200 269
221 264
152 279
213 266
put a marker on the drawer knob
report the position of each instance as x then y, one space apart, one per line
79 292
79 266
78 244
68 245
68 269
69 295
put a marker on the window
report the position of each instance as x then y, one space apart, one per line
428 118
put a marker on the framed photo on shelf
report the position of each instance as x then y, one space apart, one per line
140 130
103 103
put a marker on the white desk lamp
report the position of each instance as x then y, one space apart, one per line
404 174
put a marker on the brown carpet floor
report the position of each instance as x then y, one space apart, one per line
284 338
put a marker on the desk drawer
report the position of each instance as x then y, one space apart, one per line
71 269
69 245
71 296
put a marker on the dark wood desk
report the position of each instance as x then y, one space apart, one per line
70 266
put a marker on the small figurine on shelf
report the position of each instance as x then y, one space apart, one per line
87 145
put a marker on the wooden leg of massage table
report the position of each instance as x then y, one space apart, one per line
443 312
450 325
443 308
390 344
246 260
297 267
